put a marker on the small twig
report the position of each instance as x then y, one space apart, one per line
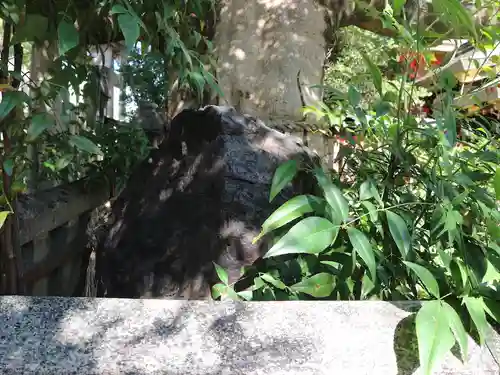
305 135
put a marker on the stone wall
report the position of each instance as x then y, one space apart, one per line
123 336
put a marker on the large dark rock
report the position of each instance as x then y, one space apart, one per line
200 198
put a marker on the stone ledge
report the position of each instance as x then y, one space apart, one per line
119 336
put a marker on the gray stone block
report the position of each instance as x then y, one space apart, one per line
122 336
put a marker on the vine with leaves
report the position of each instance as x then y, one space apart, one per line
47 138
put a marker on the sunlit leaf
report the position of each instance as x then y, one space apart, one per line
311 235
372 211
221 273
399 232
231 294
457 327
289 211
84 144
496 183
435 339
476 308
284 174
398 6
218 290
271 280
3 217
363 247
426 277
375 73
258 283
247 295
333 195
319 285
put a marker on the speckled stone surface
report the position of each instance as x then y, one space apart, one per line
119 336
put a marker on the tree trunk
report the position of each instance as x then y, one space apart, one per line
260 52
262 45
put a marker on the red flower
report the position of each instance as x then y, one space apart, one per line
340 139
414 65
437 62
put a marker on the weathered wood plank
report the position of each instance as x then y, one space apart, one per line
46 210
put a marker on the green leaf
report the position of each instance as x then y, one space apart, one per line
319 285
372 211
49 165
258 283
63 162
8 167
445 258
375 73
458 16
333 195
130 29
289 211
363 247
353 96
218 290
34 27
382 108
398 6
475 306
434 336
231 294
10 100
426 277
367 286
3 217
311 235
459 272
457 327
336 266
118 9
496 183
39 123
221 273
84 144
246 295
284 174
367 190
399 232
68 36
271 280
492 307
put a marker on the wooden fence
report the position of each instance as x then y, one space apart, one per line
53 254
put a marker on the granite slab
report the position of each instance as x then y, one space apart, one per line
51 335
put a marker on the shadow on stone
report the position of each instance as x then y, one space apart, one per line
85 336
406 346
